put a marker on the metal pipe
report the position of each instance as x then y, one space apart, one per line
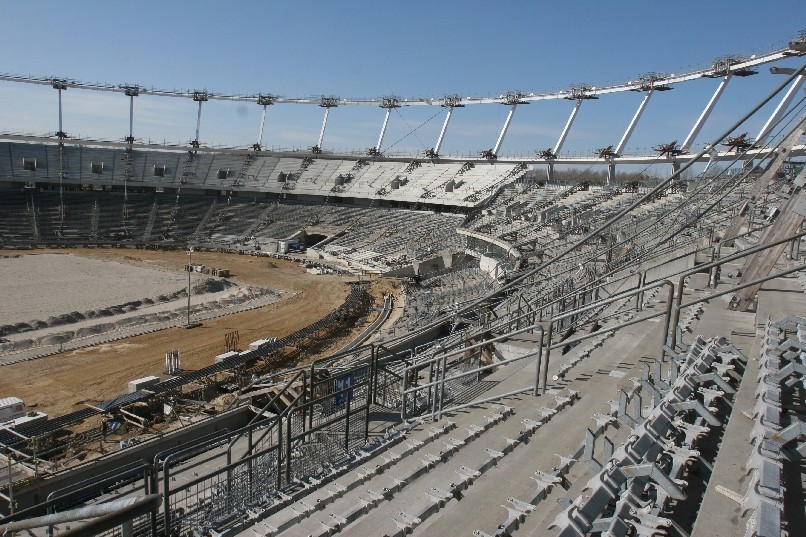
61 131
695 130
480 401
322 130
667 320
442 385
566 129
477 370
631 127
266 406
198 120
442 132
83 513
383 128
548 355
190 269
780 109
504 130
131 119
262 124
474 346
743 286
536 389
123 518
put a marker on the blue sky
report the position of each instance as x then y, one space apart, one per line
369 49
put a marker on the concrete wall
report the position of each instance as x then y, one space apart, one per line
491 266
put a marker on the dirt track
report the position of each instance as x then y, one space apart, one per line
64 382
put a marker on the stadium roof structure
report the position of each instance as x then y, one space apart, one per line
724 68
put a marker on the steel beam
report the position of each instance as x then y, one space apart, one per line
442 132
567 128
634 122
780 110
695 130
504 130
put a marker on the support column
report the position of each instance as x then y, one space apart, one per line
199 97
389 103
60 85
265 101
131 92
327 103
442 132
633 123
504 130
383 129
567 128
780 109
450 102
198 121
262 124
130 139
611 173
324 126
695 130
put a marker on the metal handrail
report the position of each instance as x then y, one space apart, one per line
442 366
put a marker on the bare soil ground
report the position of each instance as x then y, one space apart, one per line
64 382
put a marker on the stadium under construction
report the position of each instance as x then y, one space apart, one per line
580 349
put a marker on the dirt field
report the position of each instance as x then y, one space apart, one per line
64 382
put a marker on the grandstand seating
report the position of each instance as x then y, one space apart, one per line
227 171
503 454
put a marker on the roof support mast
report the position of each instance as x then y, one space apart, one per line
504 129
450 102
780 109
722 67
327 103
513 99
646 84
564 134
389 103
695 130
576 93
131 92
631 127
438 145
265 101
324 125
60 85
199 97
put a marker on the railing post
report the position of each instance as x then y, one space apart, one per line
288 448
166 496
153 486
347 421
280 452
548 354
442 386
229 478
403 393
672 338
251 461
667 319
536 390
